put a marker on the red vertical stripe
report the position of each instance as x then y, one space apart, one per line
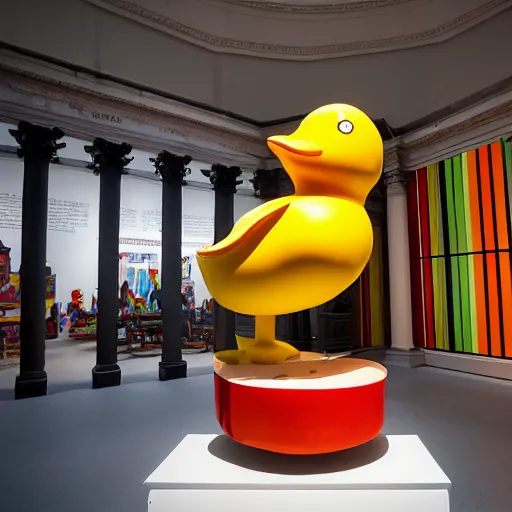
498 174
487 193
474 206
424 215
415 263
481 309
506 294
428 286
494 310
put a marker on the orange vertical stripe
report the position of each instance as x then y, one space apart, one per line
478 268
498 175
506 295
494 311
487 193
474 203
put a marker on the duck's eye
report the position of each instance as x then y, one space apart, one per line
345 127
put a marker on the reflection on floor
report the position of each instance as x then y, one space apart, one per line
69 364
90 450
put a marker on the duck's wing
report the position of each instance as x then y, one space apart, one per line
254 225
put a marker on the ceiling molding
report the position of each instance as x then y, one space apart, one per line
85 112
441 32
20 59
318 8
465 130
502 111
59 81
85 108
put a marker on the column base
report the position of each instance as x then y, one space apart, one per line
30 385
172 370
408 358
106 376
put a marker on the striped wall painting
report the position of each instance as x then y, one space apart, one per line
461 252
371 292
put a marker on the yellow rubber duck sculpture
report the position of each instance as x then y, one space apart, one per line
300 251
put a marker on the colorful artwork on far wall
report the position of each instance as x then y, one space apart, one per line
140 272
461 252
186 266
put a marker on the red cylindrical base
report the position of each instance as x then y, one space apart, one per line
302 421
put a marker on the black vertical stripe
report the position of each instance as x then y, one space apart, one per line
447 257
496 254
482 229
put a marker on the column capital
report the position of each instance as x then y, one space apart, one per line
38 141
392 156
171 167
108 155
395 181
224 178
271 183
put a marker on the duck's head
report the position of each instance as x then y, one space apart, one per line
337 150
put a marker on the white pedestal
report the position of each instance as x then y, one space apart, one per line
213 473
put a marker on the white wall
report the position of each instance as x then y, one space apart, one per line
73 253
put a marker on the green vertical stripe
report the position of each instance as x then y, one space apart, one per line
458 192
460 214
452 230
465 304
508 157
466 203
473 325
457 320
441 306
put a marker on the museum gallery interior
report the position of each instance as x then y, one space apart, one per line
149 150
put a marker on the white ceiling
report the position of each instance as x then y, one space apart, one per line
398 60
307 30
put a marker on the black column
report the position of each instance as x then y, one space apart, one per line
38 146
224 181
172 169
109 161
272 183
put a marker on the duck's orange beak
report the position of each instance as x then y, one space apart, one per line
297 146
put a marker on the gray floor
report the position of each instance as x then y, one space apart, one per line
90 450
69 364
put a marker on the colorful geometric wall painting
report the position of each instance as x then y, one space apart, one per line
461 252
